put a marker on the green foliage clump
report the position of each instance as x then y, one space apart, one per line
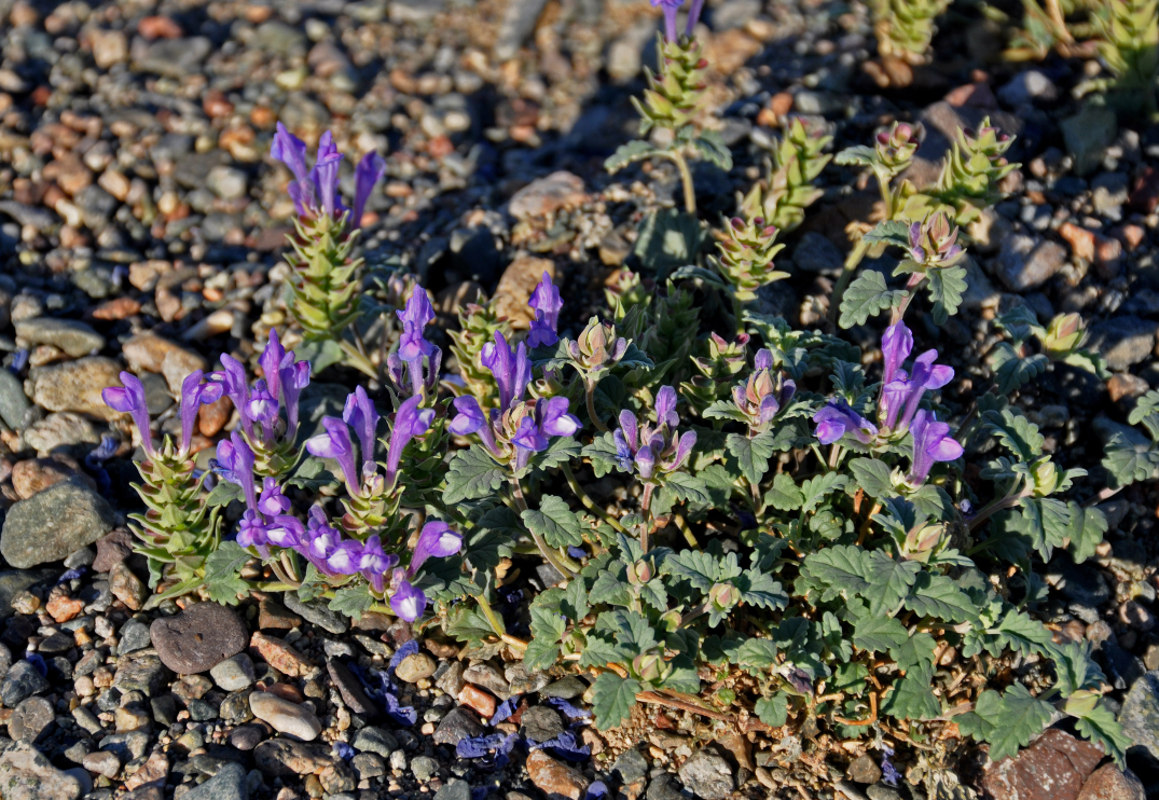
905 28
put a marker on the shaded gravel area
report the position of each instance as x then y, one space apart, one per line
141 225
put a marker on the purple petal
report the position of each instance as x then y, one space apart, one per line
556 420
436 540
362 416
666 408
291 151
366 175
408 602
410 421
131 399
469 417
896 344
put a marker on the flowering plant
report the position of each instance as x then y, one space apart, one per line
767 528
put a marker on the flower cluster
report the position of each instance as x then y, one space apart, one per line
518 427
670 8
760 397
129 398
314 190
898 407
642 447
414 364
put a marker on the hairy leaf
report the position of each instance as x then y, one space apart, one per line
612 699
947 285
472 474
867 297
752 454
555 522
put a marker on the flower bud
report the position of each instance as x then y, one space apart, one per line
670 620
1046 477
639 572
896 147
724 596
597 348
1065 334
650 667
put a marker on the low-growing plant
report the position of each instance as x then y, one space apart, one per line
1129 45
758 528
905 28
671 112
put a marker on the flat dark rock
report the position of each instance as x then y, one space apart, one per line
198 638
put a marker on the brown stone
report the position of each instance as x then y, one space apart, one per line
1054 767
547 195
112 549
515 287
1111 783
127 587
36 474
554 779
272 615
148 352
117 308
281 656
159 28
480 700
62 608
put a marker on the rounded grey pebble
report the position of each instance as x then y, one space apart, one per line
198 638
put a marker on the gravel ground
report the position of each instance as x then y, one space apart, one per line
141 225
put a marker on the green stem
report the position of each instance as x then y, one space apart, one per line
587 501
646 513
682 525
686 179
590 402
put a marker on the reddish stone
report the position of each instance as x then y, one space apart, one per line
554 779
159 28
1054 767
1111 783
62 608
281 656
117 308
478 699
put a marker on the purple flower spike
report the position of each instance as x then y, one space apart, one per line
410 421
666 408
837 419
320 540
194 394
335 443
436 540
374 563
932 444
512 370
408 601
131 400
366 176
251 532
896 344
901 396
272 360
417 314
529 436
547 304
361 415
291 151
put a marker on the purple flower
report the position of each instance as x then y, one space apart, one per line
669 7
549 418
233 381
320 540
235 461
410 421
324 177
273 360
335 443
361 415
666 408
272 502
291 151
408 601
374 563
194 394
131 400
468 416
643 447
932 444
896 344
436 540
263 409
901 396
837 419
512 370
366 175
285 531
416 315
251 532
547 304
344 558
293 379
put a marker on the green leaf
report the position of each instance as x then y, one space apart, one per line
223 494
547 628
472 474
602 454
947 285
667 239
756 654
891 231
1130 458
937 596
1086 531
555 522
889 582
821 486
726 410
879 634
353 601
1016 433
701 569
866 297
773 711
874 476
1021 633
785 495
752 454
1017 717
712 148
223 582
574 604
688 488
635 150
612 699
916 652
858 156
912 697
759 588
562 450
1100 727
